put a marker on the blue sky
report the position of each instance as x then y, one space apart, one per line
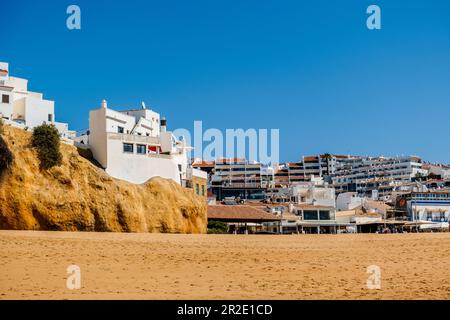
310 68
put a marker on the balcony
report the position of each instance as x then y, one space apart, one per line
132 138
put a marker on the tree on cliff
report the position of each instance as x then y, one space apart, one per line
46 140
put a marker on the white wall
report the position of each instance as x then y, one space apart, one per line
348 201
6 108
167 142
148 121
97 137
63 129
18 111
137 168
311 194
115 119
420 210
19 84
37 111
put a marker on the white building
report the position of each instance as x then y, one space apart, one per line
348 201
440 170
134 145
429 206
24 108
310 193
365 174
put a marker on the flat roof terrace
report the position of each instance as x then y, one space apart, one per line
239 213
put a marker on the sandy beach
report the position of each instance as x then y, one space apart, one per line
33 265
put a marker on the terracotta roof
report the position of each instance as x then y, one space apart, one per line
230 160
356 213
265 205
239 213
289 216
347 213
310 158
203 164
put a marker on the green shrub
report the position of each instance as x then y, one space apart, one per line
46 140
217 227
1 126
6 157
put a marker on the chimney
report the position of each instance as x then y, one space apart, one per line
104 104
163 124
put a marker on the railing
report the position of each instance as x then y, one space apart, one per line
159 155
134 138
241 185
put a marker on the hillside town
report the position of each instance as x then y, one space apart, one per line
329 194
324 193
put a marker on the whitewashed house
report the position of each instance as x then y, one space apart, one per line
134 145
310 193
348 201
24 108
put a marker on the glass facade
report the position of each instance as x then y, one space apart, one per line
324 215
310 215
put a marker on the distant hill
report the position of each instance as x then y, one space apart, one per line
79 196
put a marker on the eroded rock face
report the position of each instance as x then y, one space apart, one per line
78 196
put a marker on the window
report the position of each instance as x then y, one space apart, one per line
309 215
324 215
141 148
203 190
50 117
120 129
197 189
5 98
128 147
429 215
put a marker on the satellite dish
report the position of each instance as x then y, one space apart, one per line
143 105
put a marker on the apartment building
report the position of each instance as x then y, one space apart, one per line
26 109
375 177
281 176
240 178
311 166
366 175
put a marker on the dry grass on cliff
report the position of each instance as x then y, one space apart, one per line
80 196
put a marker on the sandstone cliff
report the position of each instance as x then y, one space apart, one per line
78 196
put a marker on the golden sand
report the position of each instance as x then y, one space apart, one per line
167 266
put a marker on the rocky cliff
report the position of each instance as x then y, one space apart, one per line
79 196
